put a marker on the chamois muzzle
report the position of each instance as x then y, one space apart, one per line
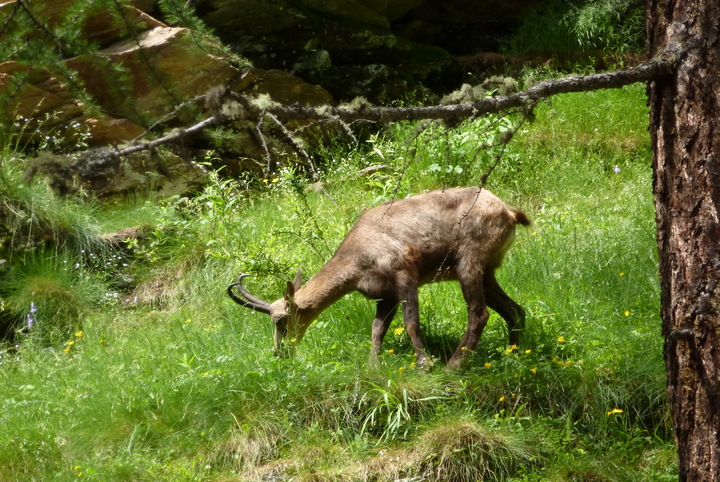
246 299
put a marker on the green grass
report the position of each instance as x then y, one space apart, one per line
181 385
573 29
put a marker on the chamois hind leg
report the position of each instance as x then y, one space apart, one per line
498 300
411 316
386 309
477 319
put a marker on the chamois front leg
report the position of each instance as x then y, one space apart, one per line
498 300
411 316
386 309
477 319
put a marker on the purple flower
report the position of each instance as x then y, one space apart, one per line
33 308
616 169
30 320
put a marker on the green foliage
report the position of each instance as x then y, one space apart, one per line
562 28
32 217
51 294
181 384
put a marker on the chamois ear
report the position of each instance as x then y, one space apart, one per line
298 280
289 291
293 286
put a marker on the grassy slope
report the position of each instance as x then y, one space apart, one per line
181 385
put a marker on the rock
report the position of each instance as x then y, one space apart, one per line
413 42
165 67
123 238
325 42
163 176
282 87
168 66
96 22
152 74
43 109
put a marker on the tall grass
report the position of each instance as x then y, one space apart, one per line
181 385
566 28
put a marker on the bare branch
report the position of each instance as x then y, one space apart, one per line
345 115
608 80
171 137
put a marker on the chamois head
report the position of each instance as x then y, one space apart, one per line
283 313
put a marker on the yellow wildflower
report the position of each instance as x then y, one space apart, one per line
561 339
527 352
391 351
615 411
501 399
464 348
534 370
412 365
622 274
488 364
402 369
399 331
627 312
66 350
79 335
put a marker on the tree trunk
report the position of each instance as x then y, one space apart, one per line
685 128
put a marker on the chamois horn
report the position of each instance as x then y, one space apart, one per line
247 300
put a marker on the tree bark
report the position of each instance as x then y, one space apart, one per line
685 128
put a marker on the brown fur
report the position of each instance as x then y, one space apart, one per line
459 234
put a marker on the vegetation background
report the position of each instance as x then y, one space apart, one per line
129 362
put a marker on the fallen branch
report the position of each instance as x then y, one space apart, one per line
255 109
458 112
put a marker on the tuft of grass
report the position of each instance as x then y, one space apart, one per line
49 295
456 448
33 218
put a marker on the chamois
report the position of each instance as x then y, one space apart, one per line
459 234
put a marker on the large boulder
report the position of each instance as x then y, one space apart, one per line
95 21
159 69
161 175
338 44
148 77
104 174
43 110
341 44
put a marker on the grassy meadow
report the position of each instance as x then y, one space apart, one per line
139 367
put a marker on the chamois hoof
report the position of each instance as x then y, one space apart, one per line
425 363
454 364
